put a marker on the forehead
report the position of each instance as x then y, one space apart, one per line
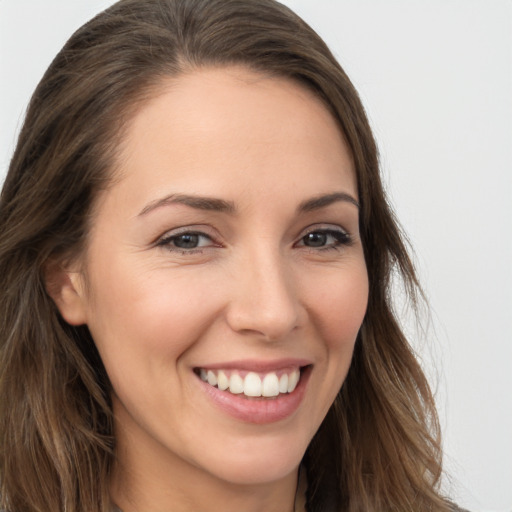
230 127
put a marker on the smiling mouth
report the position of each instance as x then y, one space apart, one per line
252 384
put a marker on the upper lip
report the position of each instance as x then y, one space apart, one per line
258 365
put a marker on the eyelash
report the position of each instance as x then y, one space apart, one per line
342 238
168 242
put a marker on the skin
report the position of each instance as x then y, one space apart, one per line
254 289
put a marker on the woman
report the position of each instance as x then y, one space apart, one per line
196 253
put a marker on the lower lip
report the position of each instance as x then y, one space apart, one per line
258 410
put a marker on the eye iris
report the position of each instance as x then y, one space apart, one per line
187 241
315 239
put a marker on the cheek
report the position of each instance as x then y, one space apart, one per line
144 325
148 311
339 305
337 302
176 306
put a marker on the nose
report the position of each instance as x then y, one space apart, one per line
264 299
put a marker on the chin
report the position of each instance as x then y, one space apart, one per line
260 473
259 463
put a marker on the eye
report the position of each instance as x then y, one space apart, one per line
325 239
186 241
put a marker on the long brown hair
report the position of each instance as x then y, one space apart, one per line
378 449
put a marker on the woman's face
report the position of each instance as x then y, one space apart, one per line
227 254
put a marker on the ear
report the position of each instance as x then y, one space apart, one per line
66 288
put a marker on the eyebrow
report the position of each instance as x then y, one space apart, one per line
197 202
223 206
324 200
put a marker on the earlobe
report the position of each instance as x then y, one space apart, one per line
67 291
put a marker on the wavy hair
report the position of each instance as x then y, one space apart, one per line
377 450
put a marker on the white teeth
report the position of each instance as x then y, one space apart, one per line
293 380
222 381
270 385
283 383
236 384
252 384
212 378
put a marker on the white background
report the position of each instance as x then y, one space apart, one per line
436 78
